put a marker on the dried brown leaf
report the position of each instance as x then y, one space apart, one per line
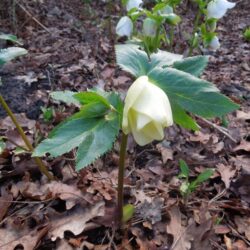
227 173
243 224
75 220
10 238
175 228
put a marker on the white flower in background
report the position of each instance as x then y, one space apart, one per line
133 4
147 112
218 8
124 27
9 54
214 44
149 27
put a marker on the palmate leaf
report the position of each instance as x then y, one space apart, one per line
93 130
193 65
182 118
191 93
65 96
135 61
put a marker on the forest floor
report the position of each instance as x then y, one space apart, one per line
70 45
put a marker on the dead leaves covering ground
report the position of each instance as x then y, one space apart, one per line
78 213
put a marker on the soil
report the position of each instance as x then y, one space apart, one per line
70 46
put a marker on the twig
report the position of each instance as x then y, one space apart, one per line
16 144
218 196
32 17
38 161
217 245
219 128
236 233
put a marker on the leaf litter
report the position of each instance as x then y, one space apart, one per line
78 213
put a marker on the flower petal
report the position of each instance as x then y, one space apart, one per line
133 4
124 27
218 8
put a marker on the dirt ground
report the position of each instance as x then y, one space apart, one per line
70 45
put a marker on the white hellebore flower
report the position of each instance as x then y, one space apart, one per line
124 27
215 43
133 4
149 27
218 8
147 112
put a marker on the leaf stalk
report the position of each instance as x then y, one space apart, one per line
29 146
123 148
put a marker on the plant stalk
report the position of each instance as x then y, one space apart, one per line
123 148
29 146
171 38
196 24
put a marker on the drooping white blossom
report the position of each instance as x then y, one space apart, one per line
149 27
133 4
214 44
124 27
218 8
147 112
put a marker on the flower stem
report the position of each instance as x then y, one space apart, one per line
196 24
171 38
121 177
29 146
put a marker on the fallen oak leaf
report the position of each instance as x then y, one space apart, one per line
181 240
227 173
243 224
69 193
5 202
27 239
244 145
74 220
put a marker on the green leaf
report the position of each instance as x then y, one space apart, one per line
184 168
9 37
135 61
2 146
128 212
65 96
90 97
193 65
93 129
208 104
98 141
182 118
66 137
191 93
204 176
131 59
11 53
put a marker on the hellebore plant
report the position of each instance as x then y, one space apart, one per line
166 87
218 8
159 24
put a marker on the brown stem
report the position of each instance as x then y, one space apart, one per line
38 161
121 177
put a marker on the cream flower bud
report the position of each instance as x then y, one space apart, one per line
124 27
149 27
133 4
218 8
214 44
147 112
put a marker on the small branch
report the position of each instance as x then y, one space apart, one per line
32 17
14 143
38 161
219 128
121 177
196 24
